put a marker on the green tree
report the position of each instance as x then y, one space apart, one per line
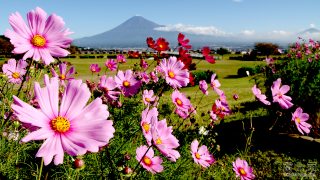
222 51
5 46
266 49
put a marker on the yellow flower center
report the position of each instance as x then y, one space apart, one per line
197 155
147 99
298 120
15 75
158 141
126 84
171 74
242 171
161 46
147 161
38 41
146 126
179 102
106 90
60 124
62 77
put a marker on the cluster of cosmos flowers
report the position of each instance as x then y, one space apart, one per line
67 124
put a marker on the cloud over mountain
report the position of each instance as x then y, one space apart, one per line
198 30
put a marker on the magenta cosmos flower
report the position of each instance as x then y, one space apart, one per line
261 97
42 38
15 71
121 58
174 73
147 117
300 119
127 83
278 94
201 155
67 126
164 140
94 68
149 161
203 86
111 64
148 97
64 74
109 86
242 169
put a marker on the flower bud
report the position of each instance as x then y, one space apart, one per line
79 163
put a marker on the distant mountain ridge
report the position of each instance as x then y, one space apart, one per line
134 32
310 31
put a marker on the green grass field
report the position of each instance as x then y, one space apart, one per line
225 69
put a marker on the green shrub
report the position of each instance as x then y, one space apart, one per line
202 75
302 74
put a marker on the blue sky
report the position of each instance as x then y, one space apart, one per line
247 17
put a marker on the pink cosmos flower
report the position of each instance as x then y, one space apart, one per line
278 94
164 140
203 86
180 100
64 74
215 84
108 86
221 108
144 77
261 97
150 163
94 68
144 64
111 64
121 58
15 71
242 169
127 83
148 97
184 114
201 155
299 118
174 73
269 61
147 117
154 77
213 116
67 126
42 38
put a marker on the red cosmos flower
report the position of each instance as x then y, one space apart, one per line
206 54
133 54
205 51
185 58
161 45
191 79
151 43
183 42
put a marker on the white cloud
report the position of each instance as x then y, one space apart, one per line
312 25
199 30
237 1
248 32
281 33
